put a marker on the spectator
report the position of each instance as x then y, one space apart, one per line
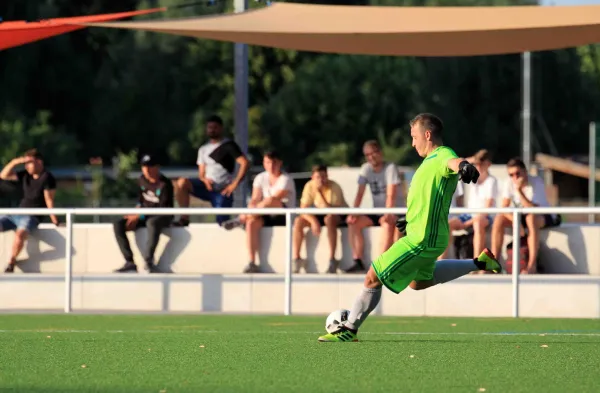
155 190
383 180
522 190
39 187
320 192
271 188
481 195
216 164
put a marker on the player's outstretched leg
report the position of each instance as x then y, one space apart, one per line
364 304
451 269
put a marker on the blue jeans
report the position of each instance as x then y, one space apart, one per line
466 217
12 222
214 197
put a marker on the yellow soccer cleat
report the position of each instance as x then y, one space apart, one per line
342 335
490 261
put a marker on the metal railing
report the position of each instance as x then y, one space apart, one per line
289 213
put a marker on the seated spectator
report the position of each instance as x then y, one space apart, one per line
39 187
320 192
523 190
216 165
155 190
480 195
271 188
383 180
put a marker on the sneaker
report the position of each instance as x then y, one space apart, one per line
10 268
299 264
342 335
128 267
231 224
333 266
152 268
358 267
183 222
252 268
488 262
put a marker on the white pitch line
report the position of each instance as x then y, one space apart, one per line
565 334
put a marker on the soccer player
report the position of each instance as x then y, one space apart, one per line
411 261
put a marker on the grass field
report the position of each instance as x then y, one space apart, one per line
118 353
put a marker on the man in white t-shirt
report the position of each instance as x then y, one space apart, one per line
522 190
383 179
271 188
482 194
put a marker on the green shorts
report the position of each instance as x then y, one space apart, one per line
404 262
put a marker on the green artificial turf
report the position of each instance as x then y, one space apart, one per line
218 353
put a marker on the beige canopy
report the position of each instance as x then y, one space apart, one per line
402 31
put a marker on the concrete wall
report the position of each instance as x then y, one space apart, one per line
208 249
567 296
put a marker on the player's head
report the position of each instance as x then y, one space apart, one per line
214 127
319 175
272 162
482 160
516 169
35 164
372 152
426 132
150 168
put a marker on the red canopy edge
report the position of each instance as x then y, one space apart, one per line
18 33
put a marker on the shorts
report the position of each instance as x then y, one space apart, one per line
549 220
342 223
466 217
11 223
274 220
214 197
404 262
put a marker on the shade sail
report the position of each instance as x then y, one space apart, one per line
22 32
407 31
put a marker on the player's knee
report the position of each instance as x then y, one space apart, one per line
371 279
420 285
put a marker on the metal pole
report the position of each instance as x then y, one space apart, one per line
526 110
68 262
241 95
516 261
592 179
288 263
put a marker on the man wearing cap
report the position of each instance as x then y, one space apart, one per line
155 190
38 187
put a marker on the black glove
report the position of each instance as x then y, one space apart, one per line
467 172
401 224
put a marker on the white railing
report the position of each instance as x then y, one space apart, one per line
289 213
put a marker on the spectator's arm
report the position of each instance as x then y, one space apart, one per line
8 172
166 195
49 198
359 195
256 196
460 201
244 165
505 202
202 172
524 200
391 193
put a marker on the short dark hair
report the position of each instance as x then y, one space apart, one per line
215 119
482 155
273 155
372 143
516 162
429 122
34 153
319 168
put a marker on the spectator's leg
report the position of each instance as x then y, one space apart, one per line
7 224
454 224
18 243
388 227
534 223
183 189
500 222
357 242
219 200
122 240
300 223
155 226
331 223
480 223
253 227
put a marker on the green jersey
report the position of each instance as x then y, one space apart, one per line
429 198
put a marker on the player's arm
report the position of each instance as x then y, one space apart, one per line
454 163
467 171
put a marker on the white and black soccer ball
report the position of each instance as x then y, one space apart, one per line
335 319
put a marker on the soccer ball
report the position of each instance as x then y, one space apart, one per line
335 319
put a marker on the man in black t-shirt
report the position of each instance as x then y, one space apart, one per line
155 190
38 187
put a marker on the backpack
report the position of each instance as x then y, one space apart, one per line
523 255
463 246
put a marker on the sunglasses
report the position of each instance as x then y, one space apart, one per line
514 174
